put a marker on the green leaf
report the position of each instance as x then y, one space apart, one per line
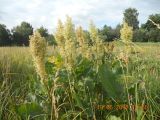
113 118
78 100
49 68
139 114
29 109
83 68
110 81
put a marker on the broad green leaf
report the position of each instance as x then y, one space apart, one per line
110 81
113 118
29 109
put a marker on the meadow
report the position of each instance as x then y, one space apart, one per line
21 97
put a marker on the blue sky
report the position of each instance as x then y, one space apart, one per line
47 12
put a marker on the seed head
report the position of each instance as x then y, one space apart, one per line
126 33
93 31
38 51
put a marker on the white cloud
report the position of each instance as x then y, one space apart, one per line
47 12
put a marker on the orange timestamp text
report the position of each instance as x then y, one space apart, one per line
121 107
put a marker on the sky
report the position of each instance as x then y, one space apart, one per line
47 12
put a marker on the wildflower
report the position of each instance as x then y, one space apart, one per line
93 32
80 36
66 38
126 33
38 51
126 36
69 30
83 47
59 36
70 55
70 44
124 57
98 47
89 53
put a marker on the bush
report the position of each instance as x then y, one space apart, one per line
140 35
153 35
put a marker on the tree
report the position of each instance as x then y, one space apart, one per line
140 35
5 37
109 34
131 17
21 34
104 33
48 37
149 25
153 35
152 31
43 31
117 31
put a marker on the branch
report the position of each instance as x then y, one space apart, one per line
158 25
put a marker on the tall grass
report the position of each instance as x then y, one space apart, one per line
17 76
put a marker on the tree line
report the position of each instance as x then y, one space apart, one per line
147 32
19 35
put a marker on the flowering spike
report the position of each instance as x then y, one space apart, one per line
38 51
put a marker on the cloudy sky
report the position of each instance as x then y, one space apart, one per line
47 12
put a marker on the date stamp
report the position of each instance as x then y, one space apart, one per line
121 107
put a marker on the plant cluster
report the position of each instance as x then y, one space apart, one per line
83 74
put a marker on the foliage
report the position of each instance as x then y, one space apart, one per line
110 82
153 35
109 34
21 34
151 30
149 25
140 35
5 37
49 38
77 82
131 17
43 31
21 87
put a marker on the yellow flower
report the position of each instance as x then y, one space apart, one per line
51 59
56 61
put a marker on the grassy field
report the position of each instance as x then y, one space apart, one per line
22 96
